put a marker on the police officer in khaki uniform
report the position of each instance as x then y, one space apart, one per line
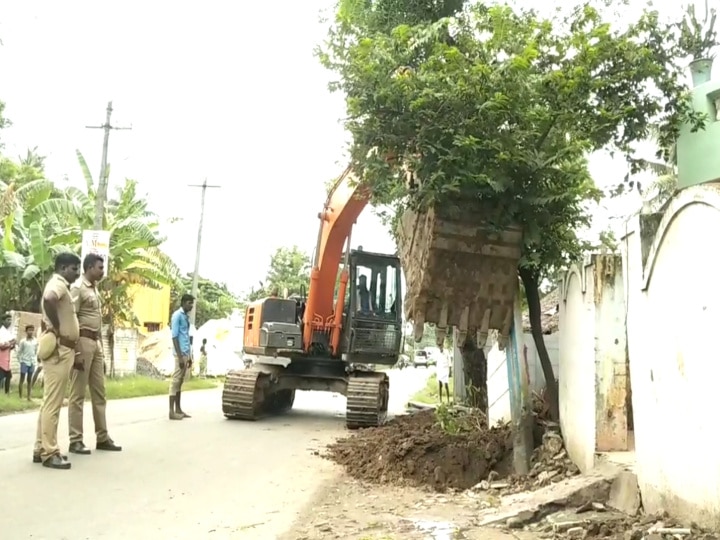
88 368
56 351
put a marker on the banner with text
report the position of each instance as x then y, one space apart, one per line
96 242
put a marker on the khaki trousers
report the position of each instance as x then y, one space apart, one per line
56 371
178 376
91 353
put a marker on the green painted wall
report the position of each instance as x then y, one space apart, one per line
698 154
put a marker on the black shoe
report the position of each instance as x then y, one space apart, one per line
56 462
38 459
109 446
79 448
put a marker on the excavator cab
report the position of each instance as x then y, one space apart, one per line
372 321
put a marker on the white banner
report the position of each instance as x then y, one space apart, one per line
96 242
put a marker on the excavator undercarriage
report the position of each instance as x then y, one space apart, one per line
265 390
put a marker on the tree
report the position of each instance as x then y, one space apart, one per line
39 221
215 301
289 269
495 109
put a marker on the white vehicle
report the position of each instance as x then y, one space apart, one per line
421 358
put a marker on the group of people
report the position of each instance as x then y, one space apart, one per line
70 348
26 353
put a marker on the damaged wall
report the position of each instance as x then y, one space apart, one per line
498 388
673 311
593 378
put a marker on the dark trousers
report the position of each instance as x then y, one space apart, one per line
5 376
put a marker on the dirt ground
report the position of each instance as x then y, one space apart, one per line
352 510
412 480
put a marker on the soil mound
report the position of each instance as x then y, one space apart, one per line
414 450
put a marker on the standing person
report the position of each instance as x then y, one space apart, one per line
442 369
88 369
203 358
56 350
7 344
27 355
180 328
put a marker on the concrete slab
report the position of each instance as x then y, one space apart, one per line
576 491
625 493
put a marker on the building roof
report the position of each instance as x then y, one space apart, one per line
550 307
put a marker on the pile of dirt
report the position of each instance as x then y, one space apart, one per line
155 348
145 368
414 450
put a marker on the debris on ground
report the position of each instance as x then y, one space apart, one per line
448 449
597 521
147 369
550 464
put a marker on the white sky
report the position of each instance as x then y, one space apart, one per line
212 90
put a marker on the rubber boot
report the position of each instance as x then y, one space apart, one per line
177 407
172 415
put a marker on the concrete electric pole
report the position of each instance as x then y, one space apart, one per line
101 194
204 187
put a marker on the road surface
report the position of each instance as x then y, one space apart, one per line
204 477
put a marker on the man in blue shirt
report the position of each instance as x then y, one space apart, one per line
180 328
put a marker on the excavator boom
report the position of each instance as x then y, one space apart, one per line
329 342
344 204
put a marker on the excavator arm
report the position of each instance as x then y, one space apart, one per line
323 313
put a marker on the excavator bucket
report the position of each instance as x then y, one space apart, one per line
459 272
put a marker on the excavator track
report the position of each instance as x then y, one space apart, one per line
367 400
242 395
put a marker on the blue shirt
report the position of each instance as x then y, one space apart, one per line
180 328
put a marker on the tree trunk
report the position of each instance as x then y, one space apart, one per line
476 373
530 282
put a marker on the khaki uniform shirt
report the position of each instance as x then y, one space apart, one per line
66 308
87 305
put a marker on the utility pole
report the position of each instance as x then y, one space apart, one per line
204 187
101 194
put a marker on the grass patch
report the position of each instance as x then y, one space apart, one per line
11 403
134 386
429 395
131 386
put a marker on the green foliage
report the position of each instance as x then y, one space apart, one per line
289 269
215 301
429 394
699 38
39 220
495 109
456 422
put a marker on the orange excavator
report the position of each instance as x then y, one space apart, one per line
327 340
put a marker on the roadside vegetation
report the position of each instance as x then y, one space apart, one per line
131 386
429 394
474 107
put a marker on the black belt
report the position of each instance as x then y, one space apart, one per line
90 334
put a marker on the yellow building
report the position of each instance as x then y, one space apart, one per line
151 307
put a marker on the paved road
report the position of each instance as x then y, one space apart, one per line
202 478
